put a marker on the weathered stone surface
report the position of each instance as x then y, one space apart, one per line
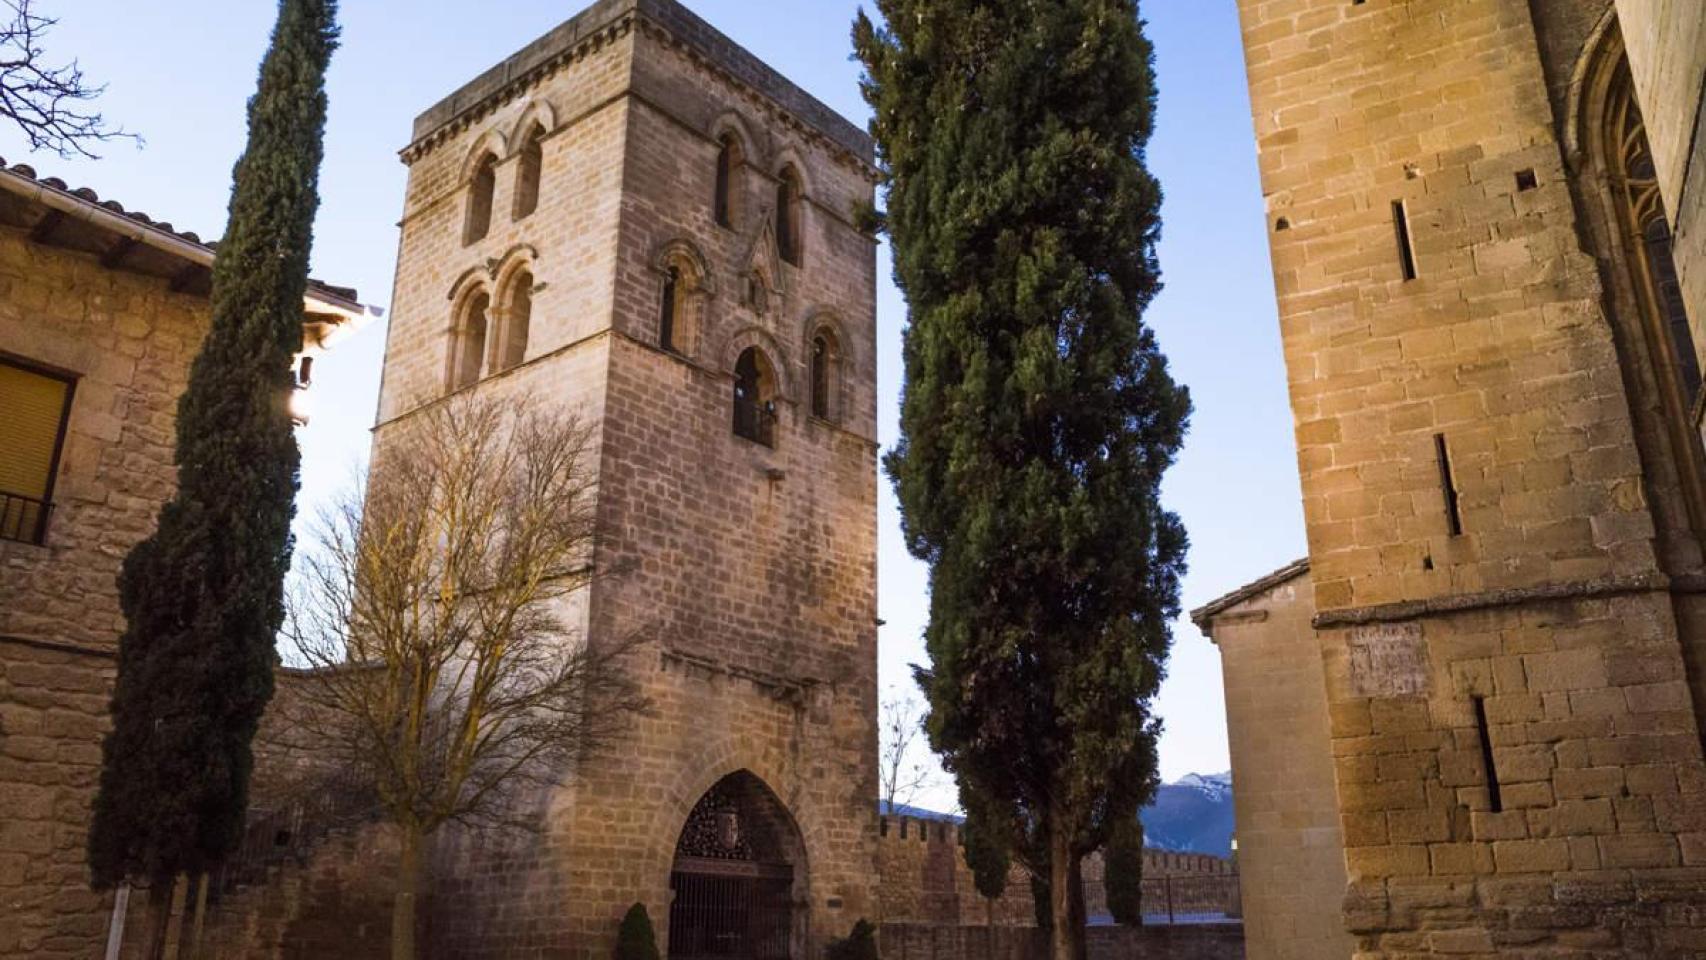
1511 634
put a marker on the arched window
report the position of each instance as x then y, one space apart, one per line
727 197
671 307
517 318
755 398
825 374
468 358
788 215
529 162
480 188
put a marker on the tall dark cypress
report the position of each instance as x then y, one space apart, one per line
1038 415
203 595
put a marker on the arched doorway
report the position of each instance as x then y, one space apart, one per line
738 878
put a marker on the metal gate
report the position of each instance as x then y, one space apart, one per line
730 910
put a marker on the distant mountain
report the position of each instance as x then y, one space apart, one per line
1192 815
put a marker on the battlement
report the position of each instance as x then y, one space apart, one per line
603 22
900 833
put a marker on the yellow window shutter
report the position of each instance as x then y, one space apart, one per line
32 405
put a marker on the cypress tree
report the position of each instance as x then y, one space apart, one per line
1038 415
1122 876
203 595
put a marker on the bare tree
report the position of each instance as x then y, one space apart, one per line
904 776
44 101
433 615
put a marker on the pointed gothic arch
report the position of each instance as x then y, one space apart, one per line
1630 231
739 876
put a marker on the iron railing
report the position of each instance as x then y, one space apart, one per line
1191 898
23 519
756 421
731 910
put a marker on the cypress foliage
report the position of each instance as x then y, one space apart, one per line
203 595
1123 873
635 939
986 849
1038 415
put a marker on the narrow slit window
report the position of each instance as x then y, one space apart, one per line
1406 250
1448 487
530 164
671 295
1493 798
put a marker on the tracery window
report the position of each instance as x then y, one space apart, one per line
1649 237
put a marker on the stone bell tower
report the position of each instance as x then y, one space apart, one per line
635 220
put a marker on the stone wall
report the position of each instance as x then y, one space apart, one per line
923 879
1291 855
53 713
1517 752
912 941
128 339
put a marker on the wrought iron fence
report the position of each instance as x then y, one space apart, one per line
1208 898
22 518
730 910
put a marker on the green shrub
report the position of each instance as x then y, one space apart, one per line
635 940
861 944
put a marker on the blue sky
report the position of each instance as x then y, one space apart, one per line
179 72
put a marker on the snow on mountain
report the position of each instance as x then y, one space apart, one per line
1192 815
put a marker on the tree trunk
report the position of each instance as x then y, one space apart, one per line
159 917
1062 938
408 892
989 915
200 917
1080 913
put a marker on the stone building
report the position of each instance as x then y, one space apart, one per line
101 312
1485 220
635 221
1290 850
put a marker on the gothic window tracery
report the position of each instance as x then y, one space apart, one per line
1649 236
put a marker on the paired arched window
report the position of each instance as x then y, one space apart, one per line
529 162
788 215
468 356
481 185
726 202
517 317
825 374
755 398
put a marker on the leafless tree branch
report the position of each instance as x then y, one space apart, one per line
436 619
46 101
902 773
